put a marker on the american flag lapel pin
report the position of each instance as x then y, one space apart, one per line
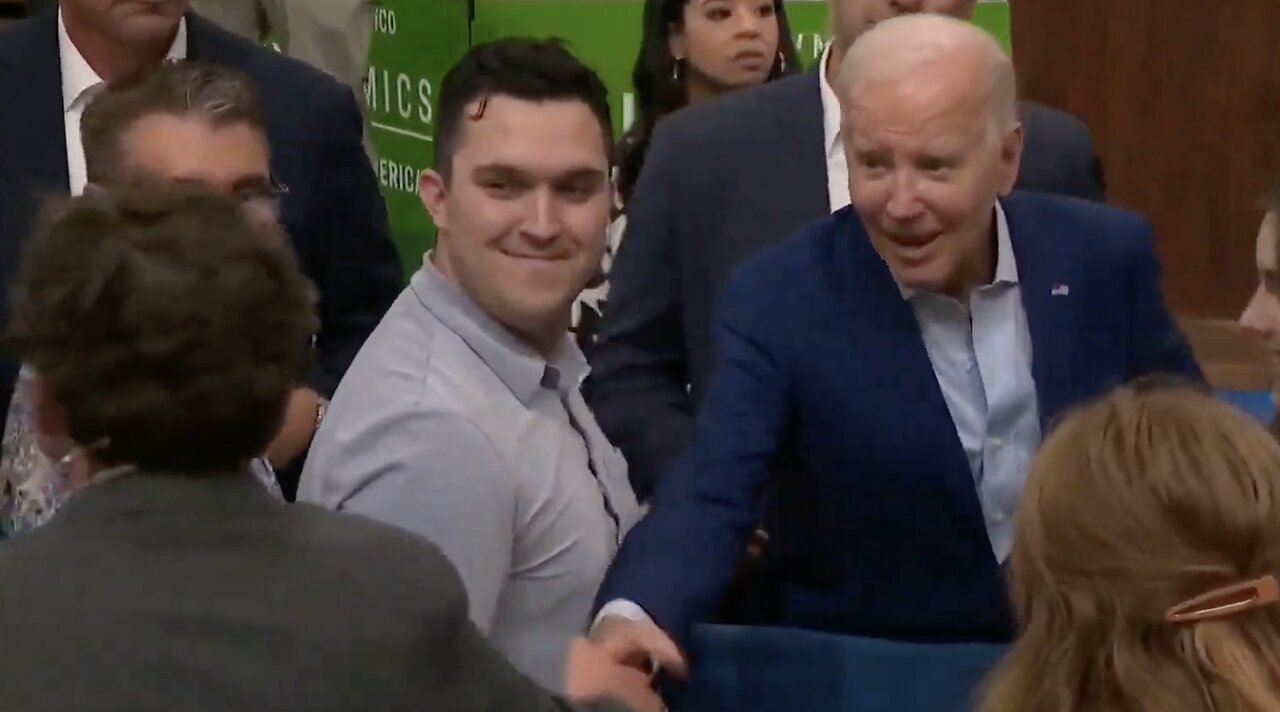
1060 290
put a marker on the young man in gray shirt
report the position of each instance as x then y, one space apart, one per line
462 419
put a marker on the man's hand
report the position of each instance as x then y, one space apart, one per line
639 644
299 426
595 674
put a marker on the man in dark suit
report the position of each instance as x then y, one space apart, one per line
171 579
722 181
912 349
50 68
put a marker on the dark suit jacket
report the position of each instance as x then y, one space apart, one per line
163 593
723 180
334 212
879 531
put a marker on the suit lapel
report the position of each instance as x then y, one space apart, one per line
902 361
33 139
799 156
1052 311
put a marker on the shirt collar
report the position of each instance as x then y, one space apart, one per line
518 366
1006 264
78 78
830 104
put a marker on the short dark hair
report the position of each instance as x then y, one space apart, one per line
216 94
169 324
528 69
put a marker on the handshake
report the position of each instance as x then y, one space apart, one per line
618 662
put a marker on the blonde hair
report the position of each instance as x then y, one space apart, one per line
1144 499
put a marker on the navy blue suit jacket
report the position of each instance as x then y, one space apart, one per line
723 180
878 531
334 212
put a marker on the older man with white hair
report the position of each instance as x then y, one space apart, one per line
724 181
908 352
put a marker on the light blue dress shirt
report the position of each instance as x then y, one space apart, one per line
449 426
981 355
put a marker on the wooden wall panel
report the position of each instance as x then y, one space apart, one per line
1183 97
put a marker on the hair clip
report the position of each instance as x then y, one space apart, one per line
1226 601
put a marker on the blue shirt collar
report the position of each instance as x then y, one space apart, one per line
516 364
1006 265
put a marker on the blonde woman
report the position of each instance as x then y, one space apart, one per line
1145 562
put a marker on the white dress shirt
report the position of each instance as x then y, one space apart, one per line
79 85
837 166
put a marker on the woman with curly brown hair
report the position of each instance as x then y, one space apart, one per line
1145 563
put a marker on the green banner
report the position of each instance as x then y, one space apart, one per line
414 44
416 41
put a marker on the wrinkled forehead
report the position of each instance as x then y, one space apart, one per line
942 101
194 148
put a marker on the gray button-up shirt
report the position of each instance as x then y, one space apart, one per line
449 426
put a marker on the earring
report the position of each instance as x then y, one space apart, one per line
782 63
675 70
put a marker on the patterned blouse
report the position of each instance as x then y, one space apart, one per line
31 485
589 305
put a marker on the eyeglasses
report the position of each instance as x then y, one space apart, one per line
265 197
1226 601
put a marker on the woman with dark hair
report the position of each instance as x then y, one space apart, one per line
698 49
692 50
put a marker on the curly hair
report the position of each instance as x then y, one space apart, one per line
168 324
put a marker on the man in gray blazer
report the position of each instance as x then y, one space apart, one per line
166 319
723 180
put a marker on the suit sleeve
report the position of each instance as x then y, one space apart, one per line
676 563
358 274
1158 345
639 384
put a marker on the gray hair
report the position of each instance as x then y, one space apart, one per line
898 45
216 94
